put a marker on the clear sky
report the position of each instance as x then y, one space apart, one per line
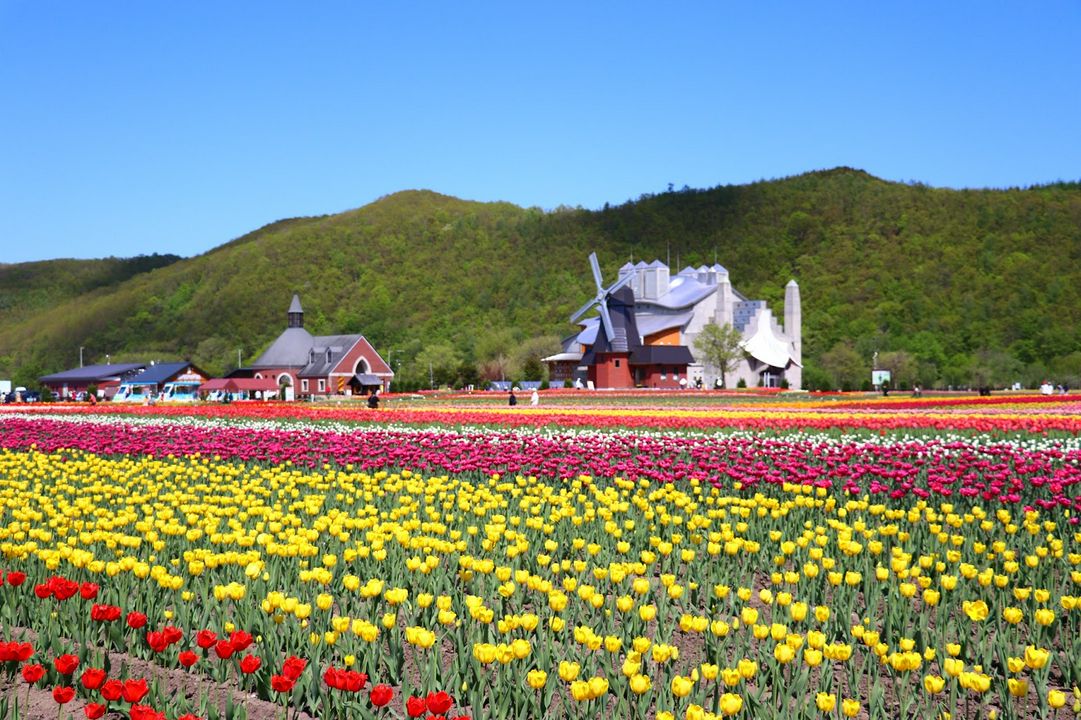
135 127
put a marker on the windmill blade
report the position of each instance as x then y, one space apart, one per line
584 309
606 320
620 283
596 272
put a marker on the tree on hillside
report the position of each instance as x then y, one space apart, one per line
718 346
845 367
440 361
903 368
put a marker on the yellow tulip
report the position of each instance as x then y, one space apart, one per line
682 686
640 684
731 704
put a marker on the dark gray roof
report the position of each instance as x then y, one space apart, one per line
662 355
92 373
338 346
294 348
289 350
367 379
160 374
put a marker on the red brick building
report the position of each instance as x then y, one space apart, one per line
306 365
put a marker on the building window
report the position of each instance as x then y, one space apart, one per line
328 356
304 386
311 357
322 385
617 363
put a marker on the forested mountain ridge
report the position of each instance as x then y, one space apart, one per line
27 287
949 286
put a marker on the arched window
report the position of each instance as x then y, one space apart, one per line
362 367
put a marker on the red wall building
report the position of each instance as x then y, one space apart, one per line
306 365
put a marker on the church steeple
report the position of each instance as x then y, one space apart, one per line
296 313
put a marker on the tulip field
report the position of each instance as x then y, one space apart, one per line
908 558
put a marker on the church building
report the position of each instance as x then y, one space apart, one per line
668 313
306 365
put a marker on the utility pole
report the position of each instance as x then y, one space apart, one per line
80 356
431 376
238 363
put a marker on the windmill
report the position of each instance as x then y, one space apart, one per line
616 337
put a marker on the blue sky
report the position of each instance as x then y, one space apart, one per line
139 127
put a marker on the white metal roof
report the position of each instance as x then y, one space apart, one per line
768 348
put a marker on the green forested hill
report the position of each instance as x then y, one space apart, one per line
951 287
32 286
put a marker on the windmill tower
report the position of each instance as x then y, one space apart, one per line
609 357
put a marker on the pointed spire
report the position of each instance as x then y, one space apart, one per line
296 313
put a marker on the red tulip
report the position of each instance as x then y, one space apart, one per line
93 678
172 634
144 712
63 694
112 690
355 681
93 711
381 695
206 639
438 703
282 684
136 620
223 649
66 664
156 640
16 651
104 613
134 690
334 678
250 664
62 588
33 673
415 706
187 658
241 640
16 578
294 667
88 591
